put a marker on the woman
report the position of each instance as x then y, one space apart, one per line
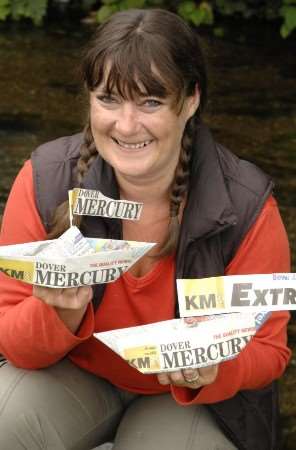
210 214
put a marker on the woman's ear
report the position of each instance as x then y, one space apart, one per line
193 102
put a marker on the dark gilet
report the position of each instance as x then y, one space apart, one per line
225 197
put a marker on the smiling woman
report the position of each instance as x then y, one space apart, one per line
140 139
209 213
146 105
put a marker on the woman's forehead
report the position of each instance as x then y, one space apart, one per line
131 83
136 80
124 89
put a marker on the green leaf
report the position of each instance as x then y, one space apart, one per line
105 12
197 17
32 9
186 9
36 10
208 17
18 9
4 9
284 31
196 14
289 15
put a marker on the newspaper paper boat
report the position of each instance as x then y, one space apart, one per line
71 260
174 344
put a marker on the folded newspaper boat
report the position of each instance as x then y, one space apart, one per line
71 260
174 344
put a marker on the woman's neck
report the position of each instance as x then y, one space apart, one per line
148 191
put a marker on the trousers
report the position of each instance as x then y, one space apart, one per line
64 407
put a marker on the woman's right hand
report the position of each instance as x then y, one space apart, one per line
70 304
70 298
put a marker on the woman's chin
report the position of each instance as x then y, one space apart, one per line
132 171
133 167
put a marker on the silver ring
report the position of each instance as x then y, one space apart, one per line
192 380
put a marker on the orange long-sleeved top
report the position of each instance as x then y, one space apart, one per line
33 336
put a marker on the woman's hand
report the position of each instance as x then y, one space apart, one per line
70 304
190 378
70 298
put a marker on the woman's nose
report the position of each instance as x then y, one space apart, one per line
127 122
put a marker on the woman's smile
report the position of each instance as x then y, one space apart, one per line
145 133
134 145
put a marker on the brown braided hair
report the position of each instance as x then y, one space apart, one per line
164 58
88 152
179 190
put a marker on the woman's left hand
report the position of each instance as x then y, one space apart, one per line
190 378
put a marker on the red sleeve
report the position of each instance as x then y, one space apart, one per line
265 249
31 333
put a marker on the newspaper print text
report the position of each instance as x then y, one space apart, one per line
200 356
261 297
237 293
243 294
94 203
52 278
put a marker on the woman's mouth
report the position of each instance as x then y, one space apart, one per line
132 145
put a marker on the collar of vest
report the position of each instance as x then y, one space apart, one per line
208 197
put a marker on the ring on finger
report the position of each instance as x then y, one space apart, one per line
193 379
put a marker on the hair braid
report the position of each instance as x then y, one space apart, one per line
179 189
88 152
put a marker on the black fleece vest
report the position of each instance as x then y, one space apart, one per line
225 197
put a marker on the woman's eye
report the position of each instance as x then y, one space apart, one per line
108 99
152 102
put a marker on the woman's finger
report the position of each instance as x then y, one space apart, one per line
163 378
70 298
209 374
177 378
191 375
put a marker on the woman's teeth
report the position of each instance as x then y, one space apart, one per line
133 146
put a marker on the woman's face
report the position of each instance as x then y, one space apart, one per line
141 138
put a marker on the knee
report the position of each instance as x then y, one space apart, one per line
22 425
21 430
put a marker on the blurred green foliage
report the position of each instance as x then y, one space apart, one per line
17 9
195 12
203 12
288 12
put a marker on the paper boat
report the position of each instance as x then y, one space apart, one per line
174 344
71 260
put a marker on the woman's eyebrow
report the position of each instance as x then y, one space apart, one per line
103 90
151 94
